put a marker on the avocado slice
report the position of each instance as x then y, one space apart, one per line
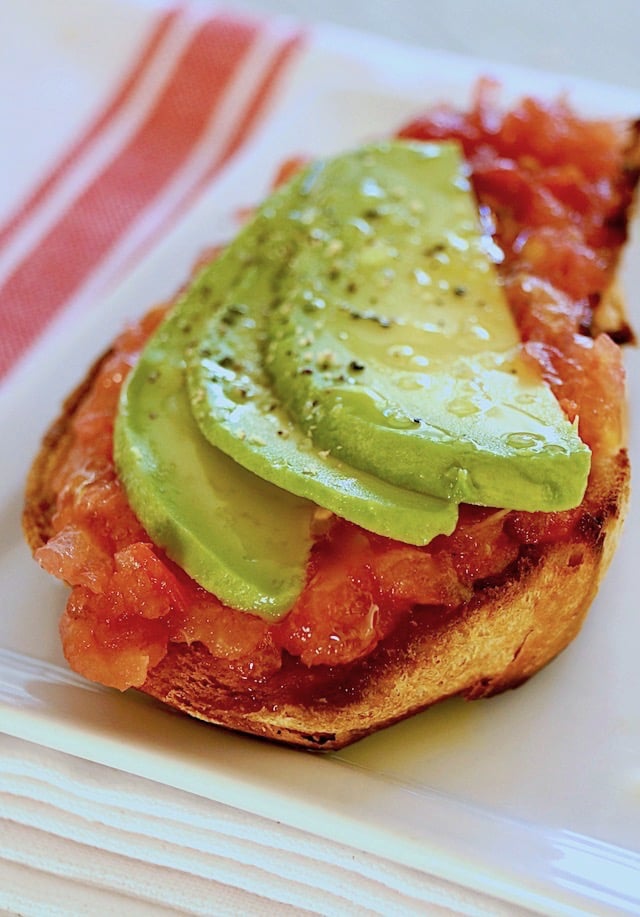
235 407
238 536
391 342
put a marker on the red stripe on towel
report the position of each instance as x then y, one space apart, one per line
113 108
253 111
81 238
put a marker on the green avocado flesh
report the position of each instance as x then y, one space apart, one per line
236 535
351 350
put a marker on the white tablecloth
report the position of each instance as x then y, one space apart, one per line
77 838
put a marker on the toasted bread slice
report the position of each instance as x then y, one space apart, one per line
512 625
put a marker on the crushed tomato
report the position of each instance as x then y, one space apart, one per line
550 185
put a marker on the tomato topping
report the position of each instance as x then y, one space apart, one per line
117 652
74 556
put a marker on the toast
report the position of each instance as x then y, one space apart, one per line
524 582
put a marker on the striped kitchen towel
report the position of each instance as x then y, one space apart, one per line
130 110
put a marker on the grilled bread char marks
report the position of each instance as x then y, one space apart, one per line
499 624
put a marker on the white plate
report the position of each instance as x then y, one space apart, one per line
533 796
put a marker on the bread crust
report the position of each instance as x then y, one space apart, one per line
40 495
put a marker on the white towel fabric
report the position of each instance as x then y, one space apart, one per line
79 838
